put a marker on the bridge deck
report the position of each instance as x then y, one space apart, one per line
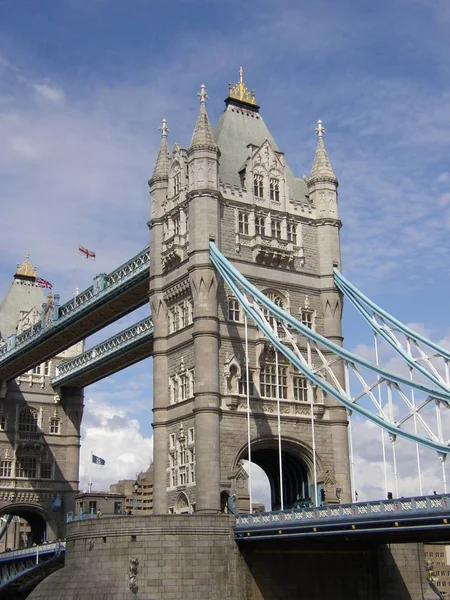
114 296
405 519
114 354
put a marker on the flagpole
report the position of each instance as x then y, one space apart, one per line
75 281
90 474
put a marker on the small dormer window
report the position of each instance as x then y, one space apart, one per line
177 183
274 187
258 186
243 223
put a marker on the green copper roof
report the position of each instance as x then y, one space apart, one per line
238 127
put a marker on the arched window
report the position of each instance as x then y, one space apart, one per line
268 375
276 299
233 310
28 420
26 466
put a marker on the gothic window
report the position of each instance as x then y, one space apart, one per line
54 425
172 441
275 227
258 186
184 386
47 368
2 422
243 223
28 420
177 183
307 319
176 226
46 470
233 310
268 381
274 189
5 468
300 389
276 299
292 233
36 370
260 225
26 467
242 384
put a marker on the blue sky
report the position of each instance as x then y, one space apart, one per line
84 85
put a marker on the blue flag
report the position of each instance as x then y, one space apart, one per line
97 460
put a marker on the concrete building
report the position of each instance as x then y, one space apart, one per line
138 492
99 504
39 430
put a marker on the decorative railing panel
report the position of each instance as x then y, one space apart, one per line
116 344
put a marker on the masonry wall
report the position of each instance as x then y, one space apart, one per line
192 557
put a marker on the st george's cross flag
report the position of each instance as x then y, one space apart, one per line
86 253
97 460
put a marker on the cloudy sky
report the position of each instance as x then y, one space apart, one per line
84 85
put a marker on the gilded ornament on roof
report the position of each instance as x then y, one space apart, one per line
240 91
26 270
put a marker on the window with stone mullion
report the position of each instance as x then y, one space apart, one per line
274 184
243 223
260 225
275 227
300 389
268 381
258 186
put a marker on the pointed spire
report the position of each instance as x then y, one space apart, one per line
321 168
161 170
203 135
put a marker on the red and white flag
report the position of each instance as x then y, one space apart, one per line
86 253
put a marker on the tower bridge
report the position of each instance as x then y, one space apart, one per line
243 280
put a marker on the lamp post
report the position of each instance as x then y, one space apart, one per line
135 494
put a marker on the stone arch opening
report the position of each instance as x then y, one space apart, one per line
224 502
182 506
41 526
297 477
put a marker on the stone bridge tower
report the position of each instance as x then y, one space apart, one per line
234 186
39 426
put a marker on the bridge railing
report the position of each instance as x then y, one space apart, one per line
361 510
104 285
39 550
114 344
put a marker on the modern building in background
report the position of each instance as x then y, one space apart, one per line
138 492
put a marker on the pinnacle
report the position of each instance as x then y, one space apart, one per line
161 169
203 135
321 167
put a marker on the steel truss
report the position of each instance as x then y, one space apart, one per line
411 409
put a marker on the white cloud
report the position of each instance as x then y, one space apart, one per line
50 93
108 432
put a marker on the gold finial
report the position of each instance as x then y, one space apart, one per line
26 270
240 91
